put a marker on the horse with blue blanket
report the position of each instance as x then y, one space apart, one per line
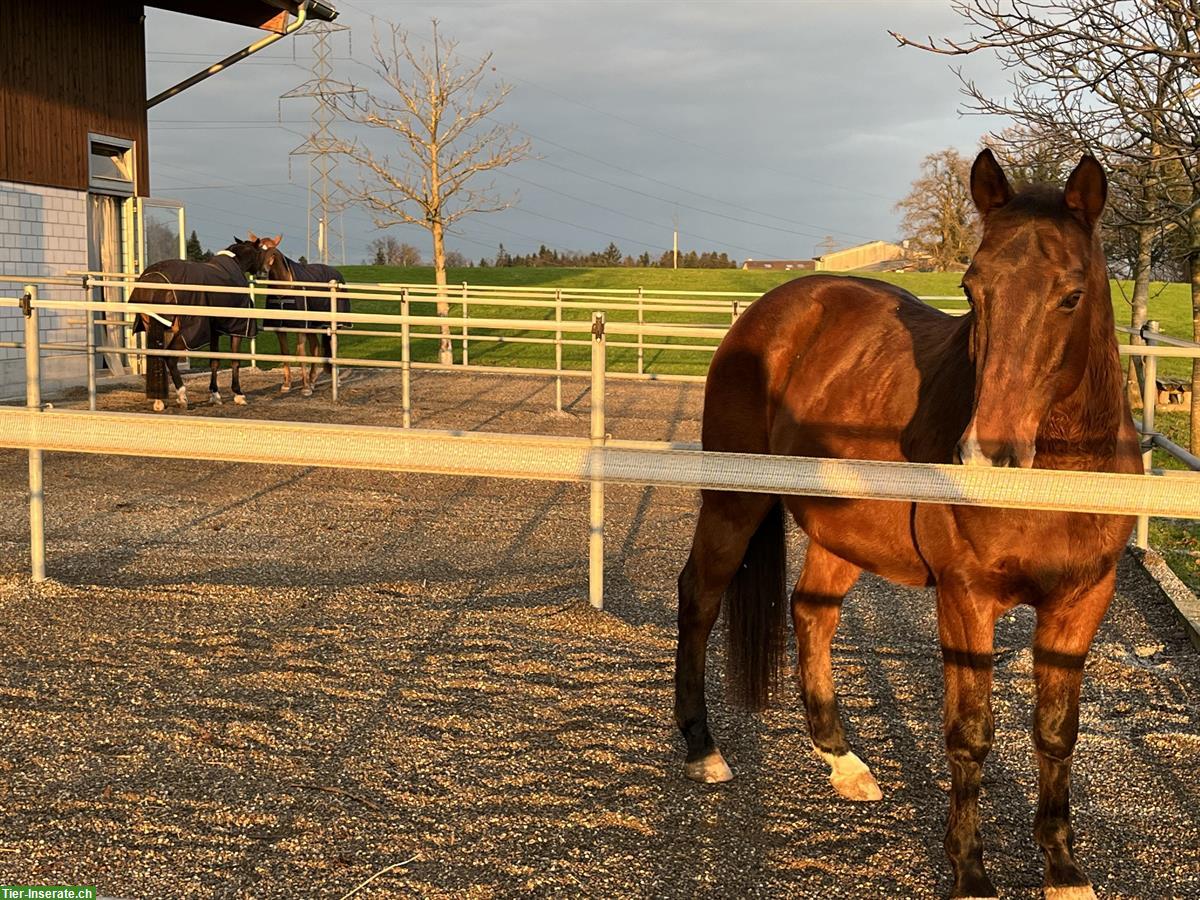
315 341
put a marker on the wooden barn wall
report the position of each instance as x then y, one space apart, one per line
69 67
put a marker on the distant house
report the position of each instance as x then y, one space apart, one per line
779 265
871 255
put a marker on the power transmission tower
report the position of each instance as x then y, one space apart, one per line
325 205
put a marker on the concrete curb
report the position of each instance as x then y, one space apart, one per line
1187 604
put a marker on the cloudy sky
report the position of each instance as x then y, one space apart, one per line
763 127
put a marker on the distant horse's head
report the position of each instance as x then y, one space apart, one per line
253 253
274 263
1038 286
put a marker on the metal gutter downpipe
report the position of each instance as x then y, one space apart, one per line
301 18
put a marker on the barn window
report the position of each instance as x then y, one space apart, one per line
110 165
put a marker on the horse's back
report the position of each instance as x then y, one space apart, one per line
842 367
830 360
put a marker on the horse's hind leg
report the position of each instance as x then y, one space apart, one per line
173 368
1061 639
306 371
816 611
214 365
724 529
235 385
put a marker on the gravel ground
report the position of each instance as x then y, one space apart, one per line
275 682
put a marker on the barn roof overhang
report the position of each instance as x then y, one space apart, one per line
270 15
279 26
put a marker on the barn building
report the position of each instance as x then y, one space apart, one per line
74 154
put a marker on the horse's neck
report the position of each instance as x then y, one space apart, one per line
1088 421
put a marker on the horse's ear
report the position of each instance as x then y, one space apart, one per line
277 240
251 237
1087 190
238 240
989 187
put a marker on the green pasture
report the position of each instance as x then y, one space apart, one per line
1170 304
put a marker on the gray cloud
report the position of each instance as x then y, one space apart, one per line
792 120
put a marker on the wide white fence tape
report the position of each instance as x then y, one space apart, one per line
578 460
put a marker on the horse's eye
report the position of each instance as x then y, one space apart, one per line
1070 301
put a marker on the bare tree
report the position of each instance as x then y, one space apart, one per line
940 221
1119 77
438 110
387 251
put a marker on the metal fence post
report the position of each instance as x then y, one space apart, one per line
596 512
405 361
33 400
641 313
558 338
333 338
735 312
254 339
465 314
1149 402
89 323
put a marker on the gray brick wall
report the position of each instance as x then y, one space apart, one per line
43 231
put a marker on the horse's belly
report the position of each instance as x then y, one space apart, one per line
875 535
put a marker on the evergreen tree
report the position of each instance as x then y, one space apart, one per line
194 251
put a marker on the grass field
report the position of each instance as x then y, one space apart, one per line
1170 304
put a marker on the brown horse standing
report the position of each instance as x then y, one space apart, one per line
1030 377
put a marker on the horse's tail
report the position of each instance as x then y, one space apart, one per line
756 615
156 366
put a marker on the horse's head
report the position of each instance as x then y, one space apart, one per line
253 254
274 264
1036 285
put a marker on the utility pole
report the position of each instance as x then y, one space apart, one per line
320 145
675 243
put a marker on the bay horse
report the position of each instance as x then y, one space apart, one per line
228 268
1029 377
281 268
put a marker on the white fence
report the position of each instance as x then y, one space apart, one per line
595 460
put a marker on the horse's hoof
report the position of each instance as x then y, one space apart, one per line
860 787
159 406
711 770
306 392
851 777
239 399
181 399
285 389
1075 892
215 398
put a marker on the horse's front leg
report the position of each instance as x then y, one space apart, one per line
214 394
966 626
285 350
1065 627
235 342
